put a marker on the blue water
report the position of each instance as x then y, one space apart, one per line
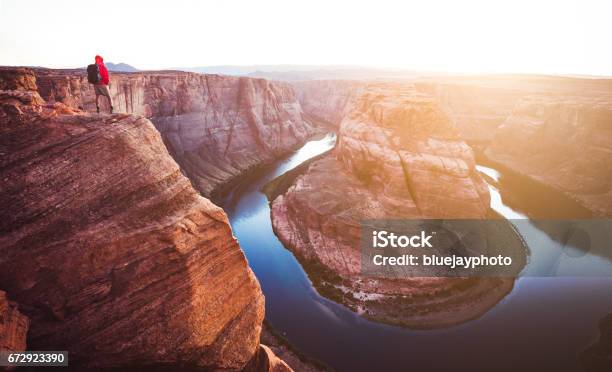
540 326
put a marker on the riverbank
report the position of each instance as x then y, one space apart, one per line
220 193
330 332
524 192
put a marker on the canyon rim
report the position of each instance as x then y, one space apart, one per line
210 186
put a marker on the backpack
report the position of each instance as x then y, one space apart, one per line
93 74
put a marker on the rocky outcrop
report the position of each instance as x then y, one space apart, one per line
327 101
564 142
106 246
215 127
402 146
294 358
13 325
266 361
398 156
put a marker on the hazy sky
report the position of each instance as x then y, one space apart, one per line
463 36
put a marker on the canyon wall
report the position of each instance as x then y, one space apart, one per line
476 109
215 127
106 246
13 325
480 104
327 101
398 156
564 142
551 129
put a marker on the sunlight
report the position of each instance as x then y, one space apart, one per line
468 36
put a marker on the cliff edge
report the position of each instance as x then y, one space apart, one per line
216 127
106 246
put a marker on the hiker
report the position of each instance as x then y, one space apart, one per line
97 74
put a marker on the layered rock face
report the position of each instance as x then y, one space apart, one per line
476 109
13 325
327 101
564 142
398 156
478 105
403 146
266 361
107 247
216 127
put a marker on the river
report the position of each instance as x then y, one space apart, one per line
541 325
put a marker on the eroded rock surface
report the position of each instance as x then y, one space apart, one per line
216 127
476 109
266 361
13 325
106 246
327 101
564 142
398 156
478 105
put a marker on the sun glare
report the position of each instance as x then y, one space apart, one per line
457 36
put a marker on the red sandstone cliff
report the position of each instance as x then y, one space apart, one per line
215 127
398 156
13 325
564 142
550 129
108 249
327 101
477 109
478 105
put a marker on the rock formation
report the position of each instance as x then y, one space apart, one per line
398 156
215 127
478 105
107 247
476 108
13 325
327 101
266 361
564 142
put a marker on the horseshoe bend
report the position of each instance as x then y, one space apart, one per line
432 193
109 238
397 156
149 263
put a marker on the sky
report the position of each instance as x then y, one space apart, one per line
471 36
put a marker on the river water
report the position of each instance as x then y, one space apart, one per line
541 325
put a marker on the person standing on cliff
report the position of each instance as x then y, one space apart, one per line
100 82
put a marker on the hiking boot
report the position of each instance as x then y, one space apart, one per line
97 109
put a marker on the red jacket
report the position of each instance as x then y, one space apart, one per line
103 70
